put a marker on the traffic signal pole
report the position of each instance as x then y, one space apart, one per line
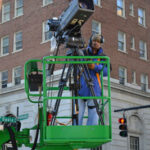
132 108
123 121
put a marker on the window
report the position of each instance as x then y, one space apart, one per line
141 16
96 27
121 8
18 8
5 45
48 69
46 2
132 43
18 41
97 2
17 75
134 143
133 77
143 49
144 82
122 75
4 79
121 41
47 35
131 9
6 12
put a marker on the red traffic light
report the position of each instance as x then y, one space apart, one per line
123 127
122 120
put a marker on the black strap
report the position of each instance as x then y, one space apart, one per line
12 138
91 107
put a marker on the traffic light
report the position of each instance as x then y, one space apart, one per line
123 127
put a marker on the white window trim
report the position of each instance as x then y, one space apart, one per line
99 26
123 16
145 47
1 79
43 34
3 21
13 74
99 3
134 78
1 53
132 10
15 11
44 3
142 25
146 80
133 48
124 40
14 45
125 77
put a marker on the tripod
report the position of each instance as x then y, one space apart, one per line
76 68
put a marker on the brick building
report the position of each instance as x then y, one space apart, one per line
125 26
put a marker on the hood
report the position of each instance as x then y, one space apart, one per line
89 48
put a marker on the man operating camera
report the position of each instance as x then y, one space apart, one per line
94 49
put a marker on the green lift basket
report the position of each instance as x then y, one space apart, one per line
67 137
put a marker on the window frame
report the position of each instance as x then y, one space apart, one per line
45 4
14 77
44 32
124 77
17 8
4 13
98 3
94 31
133 77
17 50
131 9
122 42
143 18
121 8
143 50
132 43
2 46
137 137
3 80
144 85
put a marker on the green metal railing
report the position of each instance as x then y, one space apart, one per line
75 140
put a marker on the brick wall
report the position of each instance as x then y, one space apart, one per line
35 14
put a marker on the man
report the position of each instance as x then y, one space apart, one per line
93 49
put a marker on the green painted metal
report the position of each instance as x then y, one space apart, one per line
31 66
21 137
77 134
4 137
70 137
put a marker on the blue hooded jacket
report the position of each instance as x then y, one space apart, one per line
85 90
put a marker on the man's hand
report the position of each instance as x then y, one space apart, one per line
91 66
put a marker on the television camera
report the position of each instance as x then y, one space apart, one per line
67 26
